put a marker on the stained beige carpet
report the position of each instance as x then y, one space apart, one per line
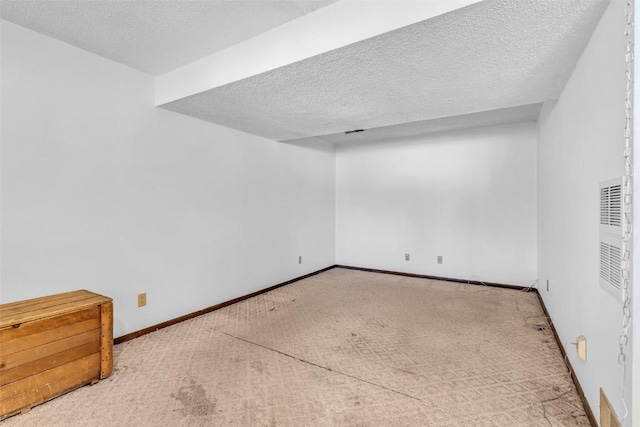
343 348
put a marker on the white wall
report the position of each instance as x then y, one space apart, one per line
581 144
635 327
103 191
468 195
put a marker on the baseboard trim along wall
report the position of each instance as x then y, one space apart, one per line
423 276
585 403
136 334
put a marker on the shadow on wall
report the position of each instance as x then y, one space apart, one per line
424 138
312 143
422 128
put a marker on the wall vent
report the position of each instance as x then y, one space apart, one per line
611 236
611 206
611 264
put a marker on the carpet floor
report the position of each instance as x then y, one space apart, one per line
342 348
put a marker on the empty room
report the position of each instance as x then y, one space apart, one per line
317 213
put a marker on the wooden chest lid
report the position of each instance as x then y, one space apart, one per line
39 308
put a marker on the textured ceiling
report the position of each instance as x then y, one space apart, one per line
154 36
493 62
493 55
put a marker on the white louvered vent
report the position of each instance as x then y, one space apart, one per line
611 206
611 236
610 265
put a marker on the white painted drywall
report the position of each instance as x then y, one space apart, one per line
581 144
635 328
102 190
469 196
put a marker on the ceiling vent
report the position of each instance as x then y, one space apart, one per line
611 236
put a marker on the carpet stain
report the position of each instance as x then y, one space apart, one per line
257 365
355 400
250 412
195 401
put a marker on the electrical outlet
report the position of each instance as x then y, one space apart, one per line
142 299
407 257
300 259
439 259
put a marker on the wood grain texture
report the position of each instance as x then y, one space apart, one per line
42 338
37 389
10 317
106 339
51 345
9 361
37 302
32 368
47 324
51 375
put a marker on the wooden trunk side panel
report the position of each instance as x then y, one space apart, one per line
106 339
31 328
50 384
40 339
16 359
32 368
11 317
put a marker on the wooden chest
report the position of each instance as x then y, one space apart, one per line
52 345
